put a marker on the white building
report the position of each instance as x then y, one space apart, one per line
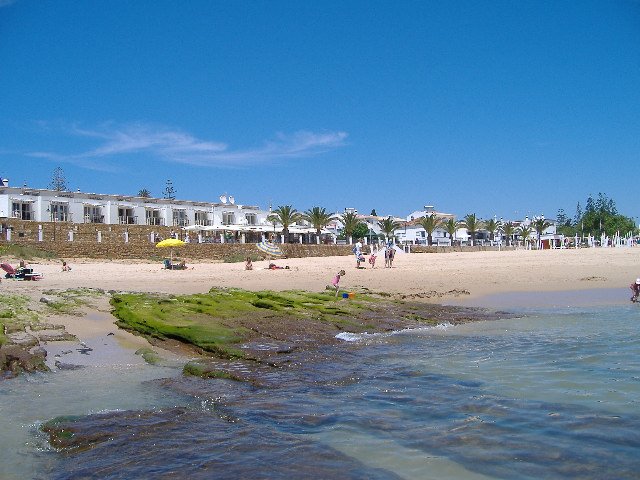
414 234
40 205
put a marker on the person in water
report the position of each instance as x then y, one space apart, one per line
635 288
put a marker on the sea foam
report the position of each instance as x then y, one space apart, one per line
358 337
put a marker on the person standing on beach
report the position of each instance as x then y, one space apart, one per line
357 251
635 288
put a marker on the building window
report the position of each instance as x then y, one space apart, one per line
93 214
228 218
21 210
252 218
152 217
125 216
180 218
59 213
201 218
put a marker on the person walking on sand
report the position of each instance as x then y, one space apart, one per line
357 251
635 288
335 283
372 258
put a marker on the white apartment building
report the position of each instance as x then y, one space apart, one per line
41 205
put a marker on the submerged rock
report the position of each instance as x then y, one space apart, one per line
16 359
67 366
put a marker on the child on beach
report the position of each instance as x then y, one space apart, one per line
65 267
372 259
335 283
248 265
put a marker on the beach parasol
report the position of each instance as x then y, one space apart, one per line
170 243
269 249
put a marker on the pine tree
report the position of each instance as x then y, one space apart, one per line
58 182
169 192
578 218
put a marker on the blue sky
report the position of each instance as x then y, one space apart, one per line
495 108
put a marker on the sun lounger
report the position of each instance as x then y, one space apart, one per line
20 273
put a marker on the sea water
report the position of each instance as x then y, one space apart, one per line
552 393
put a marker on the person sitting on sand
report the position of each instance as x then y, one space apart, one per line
635 288
335 283
65 267
248 265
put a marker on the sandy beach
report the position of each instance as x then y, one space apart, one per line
463 278
431 277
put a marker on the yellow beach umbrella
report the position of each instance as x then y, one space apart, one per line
170 243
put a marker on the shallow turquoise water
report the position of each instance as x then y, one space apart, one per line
551 394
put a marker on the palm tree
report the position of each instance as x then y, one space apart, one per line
349 221
388 226
524 231
286 215
540 225
508 229
430 223
491 226
451 226
472 224
144 193
319 218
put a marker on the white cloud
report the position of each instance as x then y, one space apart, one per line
177 146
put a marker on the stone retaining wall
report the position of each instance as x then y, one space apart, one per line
56 238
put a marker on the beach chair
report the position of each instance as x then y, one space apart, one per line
29 274
20 273
10 272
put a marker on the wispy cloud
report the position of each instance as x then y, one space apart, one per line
177 146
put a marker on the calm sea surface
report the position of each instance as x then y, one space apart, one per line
551 394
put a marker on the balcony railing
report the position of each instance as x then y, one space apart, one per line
61 217
22 215
127 220
94 219
155 221
203 223
180 222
